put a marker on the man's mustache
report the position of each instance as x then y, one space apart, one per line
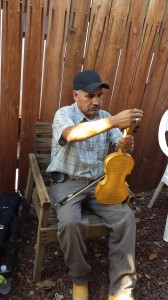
93 106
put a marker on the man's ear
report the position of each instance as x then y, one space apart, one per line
75 95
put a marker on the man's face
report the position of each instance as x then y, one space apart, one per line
89 103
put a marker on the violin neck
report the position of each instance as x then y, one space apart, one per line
126 132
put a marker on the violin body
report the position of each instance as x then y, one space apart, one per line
113 189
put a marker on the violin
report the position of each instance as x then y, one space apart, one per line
113 189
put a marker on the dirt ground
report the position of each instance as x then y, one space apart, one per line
151 260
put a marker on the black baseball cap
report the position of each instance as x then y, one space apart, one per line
88 81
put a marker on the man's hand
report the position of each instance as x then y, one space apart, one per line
126 143
128 118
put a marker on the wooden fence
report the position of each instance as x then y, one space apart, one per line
44 43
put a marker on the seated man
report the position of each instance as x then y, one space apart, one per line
82 133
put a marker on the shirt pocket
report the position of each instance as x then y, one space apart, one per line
102 150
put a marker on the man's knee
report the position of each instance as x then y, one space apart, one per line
72 225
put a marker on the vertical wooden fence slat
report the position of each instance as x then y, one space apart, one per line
129 56
97 34
31 82
79 17
10 91
146 49
154 105
54 58
116 29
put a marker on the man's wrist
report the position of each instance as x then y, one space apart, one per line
131 150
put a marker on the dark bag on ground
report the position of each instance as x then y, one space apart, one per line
12 214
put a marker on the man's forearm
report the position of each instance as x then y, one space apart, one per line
83 131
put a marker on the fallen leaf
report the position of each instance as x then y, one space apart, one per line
138 210
46 284
98 255
142 198
162 282
153 256
147 276
59 297
139 275
152 216
28 280
145 231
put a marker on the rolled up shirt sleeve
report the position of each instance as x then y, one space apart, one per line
62 120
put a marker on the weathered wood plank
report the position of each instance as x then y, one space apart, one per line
29 188
43 135
80 11
10 91
146 48
43 157
128 59
43 142
54 57
44 128
34 40
116 29
98 25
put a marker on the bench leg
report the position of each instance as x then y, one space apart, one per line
39 257
29 191
40 246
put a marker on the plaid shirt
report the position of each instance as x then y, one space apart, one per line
80 159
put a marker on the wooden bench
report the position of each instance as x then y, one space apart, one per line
37 192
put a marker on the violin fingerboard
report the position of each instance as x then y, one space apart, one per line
131 130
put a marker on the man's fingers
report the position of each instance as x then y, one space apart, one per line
137 121
138 111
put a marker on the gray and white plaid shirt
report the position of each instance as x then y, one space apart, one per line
80 159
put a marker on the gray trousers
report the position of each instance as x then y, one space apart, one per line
73 229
